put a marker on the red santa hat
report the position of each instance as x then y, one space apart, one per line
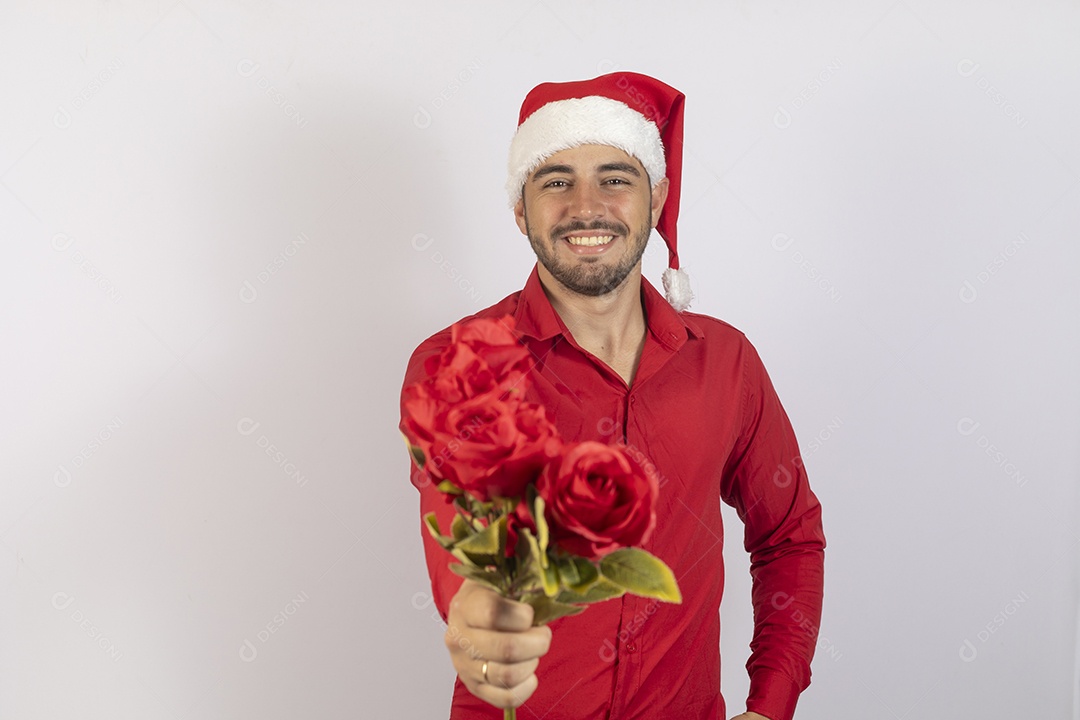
638 114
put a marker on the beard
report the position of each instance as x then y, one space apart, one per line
587 275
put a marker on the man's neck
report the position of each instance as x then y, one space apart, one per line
610 326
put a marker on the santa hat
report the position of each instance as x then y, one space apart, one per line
638 114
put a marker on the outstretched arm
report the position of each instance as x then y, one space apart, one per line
492 645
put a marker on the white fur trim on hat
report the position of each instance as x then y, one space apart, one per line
592 120
677 288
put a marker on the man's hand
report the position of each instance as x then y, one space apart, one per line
484 627
749 716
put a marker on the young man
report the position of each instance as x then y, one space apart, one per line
594 167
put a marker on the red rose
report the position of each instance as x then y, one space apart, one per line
598 498
483 354
488 445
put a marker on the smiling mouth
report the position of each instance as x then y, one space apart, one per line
591 240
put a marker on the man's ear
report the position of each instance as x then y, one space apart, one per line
519 215
659 197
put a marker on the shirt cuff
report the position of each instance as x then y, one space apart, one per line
772 694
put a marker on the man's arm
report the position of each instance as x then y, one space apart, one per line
493 647
444 584
765 482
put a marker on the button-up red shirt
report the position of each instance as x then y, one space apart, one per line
703 410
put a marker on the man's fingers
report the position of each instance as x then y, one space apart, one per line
506 676
505 697
481 607
503 647
486 628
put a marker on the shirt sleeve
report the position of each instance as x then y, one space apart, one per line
764 480
444 583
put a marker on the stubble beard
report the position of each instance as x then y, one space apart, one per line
588 275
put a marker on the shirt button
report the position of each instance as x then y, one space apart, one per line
631 647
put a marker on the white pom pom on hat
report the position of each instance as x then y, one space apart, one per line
636 113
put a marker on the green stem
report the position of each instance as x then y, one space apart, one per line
509 714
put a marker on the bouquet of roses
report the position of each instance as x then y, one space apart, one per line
550 523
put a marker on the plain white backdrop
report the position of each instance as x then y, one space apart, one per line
226 225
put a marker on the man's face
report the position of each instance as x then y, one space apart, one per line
588 212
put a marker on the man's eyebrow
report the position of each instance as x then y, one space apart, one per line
567 170
619 167
551 170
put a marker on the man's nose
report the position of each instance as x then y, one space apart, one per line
586 202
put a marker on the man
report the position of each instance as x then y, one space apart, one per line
594 167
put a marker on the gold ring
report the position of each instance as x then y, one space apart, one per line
483 670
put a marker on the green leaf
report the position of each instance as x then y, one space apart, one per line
528 557
432 524
550 577
459 528
601 589
568 571
463 557
527 547
542 532
449 488
641 573
576 573
488 541
545 609
486 578
479 560
480 507
417 454
530 575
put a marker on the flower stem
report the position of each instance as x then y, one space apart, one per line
509 714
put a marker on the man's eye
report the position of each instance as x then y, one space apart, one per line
556 183
615 181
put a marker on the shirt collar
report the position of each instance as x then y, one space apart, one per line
536 318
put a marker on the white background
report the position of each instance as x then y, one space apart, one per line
226 225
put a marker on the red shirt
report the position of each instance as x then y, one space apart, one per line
703 410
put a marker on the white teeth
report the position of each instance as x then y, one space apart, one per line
591 241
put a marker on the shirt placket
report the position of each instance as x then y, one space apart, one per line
633 618
628 640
